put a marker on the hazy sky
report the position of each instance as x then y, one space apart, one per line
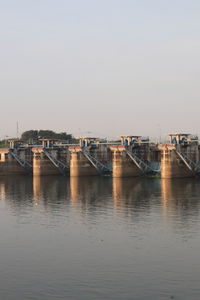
109 67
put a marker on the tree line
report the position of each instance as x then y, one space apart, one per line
31 136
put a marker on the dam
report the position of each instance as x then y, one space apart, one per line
130 156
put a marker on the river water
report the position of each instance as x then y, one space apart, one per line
99 238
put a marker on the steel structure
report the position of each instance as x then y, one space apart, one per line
144 167
63 168
101 168
191 165
25 164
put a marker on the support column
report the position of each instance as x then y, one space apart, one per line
172 166
41 164
123 166
79 164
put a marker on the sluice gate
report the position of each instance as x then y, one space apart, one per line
190 164
101 168
180 158
134 157
50 161
142 165
22 162
90 158
15 160
62 167
131 156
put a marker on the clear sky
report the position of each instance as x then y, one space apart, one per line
109 67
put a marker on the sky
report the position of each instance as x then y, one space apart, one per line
100 67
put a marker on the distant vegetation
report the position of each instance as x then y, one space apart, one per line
4 144
32 136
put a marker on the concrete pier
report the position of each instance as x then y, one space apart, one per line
129 158
79 164
89 158
42 165
180 157
122 165
50 159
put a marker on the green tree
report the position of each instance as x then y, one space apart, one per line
32 136
29 135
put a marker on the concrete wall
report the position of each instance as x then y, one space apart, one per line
102 153
63 155
41 163
80 165
172 166
8 164
123 166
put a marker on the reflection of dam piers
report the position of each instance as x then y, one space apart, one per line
132 156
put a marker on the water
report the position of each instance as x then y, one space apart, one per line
99 238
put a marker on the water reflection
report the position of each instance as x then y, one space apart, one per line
88 189
2 191
179 191
94 195
125 189
91 195
16 190
180 199
99 238
135 195
50 189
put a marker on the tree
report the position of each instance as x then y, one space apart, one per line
29 135
35 135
